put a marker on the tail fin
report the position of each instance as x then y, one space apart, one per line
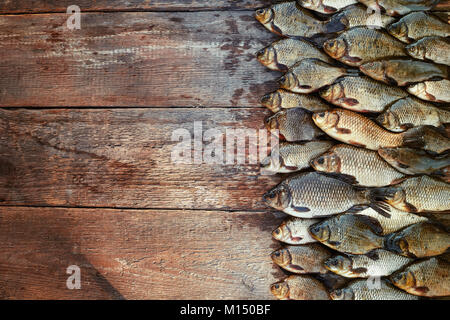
414 138
376 198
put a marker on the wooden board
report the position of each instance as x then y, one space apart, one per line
122 158
136 254
133 59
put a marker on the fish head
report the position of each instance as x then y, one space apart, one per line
403 279
389 154
396 197
389 120
342 294
264 15
339 264
266 56
399 30
327 162
335 48
310 4
332 92
281 257
272 101
271 163
320 231
280 290
418 89
416 50
288 81
279 197
281 232
326 119
374 69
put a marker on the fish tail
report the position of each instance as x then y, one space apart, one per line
413 138
374 199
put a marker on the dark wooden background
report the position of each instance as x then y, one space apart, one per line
86 118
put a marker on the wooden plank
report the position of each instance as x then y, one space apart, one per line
133 59
136 254
24 6
122 158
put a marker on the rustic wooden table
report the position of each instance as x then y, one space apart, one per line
86 177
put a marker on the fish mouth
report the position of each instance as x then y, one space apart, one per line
287 81
261 56
266 100
264 15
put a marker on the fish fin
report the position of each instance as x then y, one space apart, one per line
381 208
342 177
349 101
390 81
373 255
430 96
352 59
359 270
398 180
295 267
373 223
335 25
343 130
422 289
296 239
334 243
356 209
402 165
406 126
357 144
276 29
292 168
301 209
329 9
304 86
414 138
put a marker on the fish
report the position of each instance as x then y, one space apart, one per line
426 278
313 195
332 281
325 6
399 7
283 99
288 19
304 259
349 233
430 48
416 162
355 129
291 157
361 94
418 25
371 289
403 72
376 263
299 287
420 240
436 91
412 112
293 125
398 219
283 54
295 231
356 16
417 194
360 45
309 75
363 167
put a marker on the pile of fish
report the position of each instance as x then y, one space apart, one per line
361 114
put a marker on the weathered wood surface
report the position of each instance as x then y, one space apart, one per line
122 158
133 59
136 254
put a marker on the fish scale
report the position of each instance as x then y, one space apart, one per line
362 94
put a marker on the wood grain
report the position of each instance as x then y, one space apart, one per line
24 6
133 59
122 158
136 254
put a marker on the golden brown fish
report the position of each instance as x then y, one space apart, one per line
436 91
399 7
424 239
363 167
361 94
325 6
290 20
418 25
355 129
417 194
308 258
299 287
377 263
293 125
403 72
312 195
411 112
356 16
295 231
414 162
349 233
360 45
428 278
291 157
431 48
309 75
283 99
283 54
375 289
397 220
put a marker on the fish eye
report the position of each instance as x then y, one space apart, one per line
277 286
277 231
277 253
321 115
321 160
260 11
